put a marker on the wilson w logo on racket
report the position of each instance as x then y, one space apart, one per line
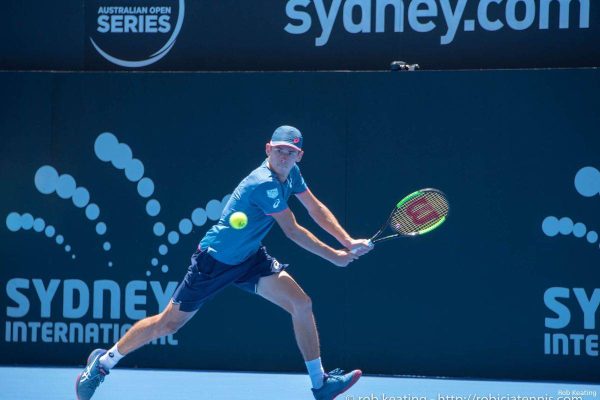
416 214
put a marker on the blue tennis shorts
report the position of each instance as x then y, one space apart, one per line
206 277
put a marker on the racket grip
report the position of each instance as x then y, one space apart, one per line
353 251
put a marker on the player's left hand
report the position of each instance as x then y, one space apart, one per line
359 246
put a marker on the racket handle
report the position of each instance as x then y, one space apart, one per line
353 251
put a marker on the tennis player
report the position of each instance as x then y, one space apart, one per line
228 256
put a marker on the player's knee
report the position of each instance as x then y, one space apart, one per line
302 306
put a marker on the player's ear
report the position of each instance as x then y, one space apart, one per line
299 157
268 149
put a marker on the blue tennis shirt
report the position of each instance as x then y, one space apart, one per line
258 195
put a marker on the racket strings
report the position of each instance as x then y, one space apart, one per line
420 213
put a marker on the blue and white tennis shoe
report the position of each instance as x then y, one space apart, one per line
91 377
336 383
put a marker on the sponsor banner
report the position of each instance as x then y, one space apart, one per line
572 313
79 301
134 34
565 337
107 192
229 35
341 34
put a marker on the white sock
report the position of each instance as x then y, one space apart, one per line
316 372
111 357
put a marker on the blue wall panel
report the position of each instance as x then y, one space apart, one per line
510 149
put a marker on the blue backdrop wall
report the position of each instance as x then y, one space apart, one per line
100 170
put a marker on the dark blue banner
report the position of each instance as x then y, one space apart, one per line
263 35
110 180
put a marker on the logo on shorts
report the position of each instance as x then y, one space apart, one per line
276 266
272 193
111 354
143 33
276 203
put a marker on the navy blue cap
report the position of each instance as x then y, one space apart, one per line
287 136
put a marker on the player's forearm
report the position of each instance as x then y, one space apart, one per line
305 239
326 220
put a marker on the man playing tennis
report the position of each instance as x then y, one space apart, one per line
228 256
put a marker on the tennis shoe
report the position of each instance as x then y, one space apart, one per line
336 383
91 377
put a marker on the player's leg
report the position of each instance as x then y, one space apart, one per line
142 332
193 291
168 322
145 330
282 289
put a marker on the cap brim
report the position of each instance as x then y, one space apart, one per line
286 144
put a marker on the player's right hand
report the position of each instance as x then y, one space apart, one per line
343 257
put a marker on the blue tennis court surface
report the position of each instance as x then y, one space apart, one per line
135 384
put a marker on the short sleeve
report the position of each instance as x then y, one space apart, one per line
298 183
269 198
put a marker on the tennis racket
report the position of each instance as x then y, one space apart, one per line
416 214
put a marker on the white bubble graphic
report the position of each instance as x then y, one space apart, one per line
27 222
100 228
122 156
46 179
66 186
105 146
81 197
39 224
134 170
213 209
13 222
159 229
587 181
153 207
565 225
552 226
185 226
145 187
173 237
49 231
199 217
579 230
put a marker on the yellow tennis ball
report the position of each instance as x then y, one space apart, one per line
238 220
